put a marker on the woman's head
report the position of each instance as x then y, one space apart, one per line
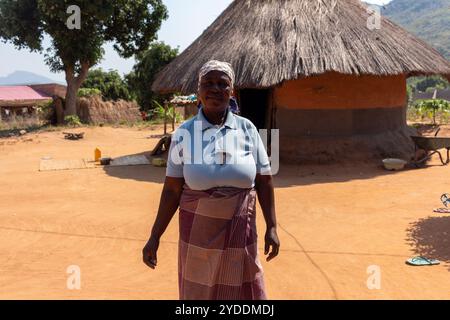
215 85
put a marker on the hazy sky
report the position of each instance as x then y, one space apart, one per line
187 20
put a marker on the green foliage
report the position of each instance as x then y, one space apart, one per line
157 113
409 93
429 108
72 121
20 23
89 92
148 64
433 104
130 25
107 83
426 84
45 111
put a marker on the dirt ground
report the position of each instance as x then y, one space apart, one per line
339 225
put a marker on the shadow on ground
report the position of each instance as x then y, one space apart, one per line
147 173
10 133
301 175
430 237
288 175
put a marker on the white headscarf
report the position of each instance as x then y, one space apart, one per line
214 65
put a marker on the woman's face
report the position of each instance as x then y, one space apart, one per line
215 91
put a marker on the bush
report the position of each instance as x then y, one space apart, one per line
72 121
46 112
89 92
431 109
158 113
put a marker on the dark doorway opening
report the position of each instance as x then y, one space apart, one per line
254 104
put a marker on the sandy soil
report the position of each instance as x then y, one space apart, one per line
335 222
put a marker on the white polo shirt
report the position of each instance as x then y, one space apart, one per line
209 156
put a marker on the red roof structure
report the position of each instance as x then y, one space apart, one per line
14 93
28 96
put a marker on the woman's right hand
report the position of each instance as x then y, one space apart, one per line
149 252
168 205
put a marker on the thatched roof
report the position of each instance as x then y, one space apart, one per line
269 41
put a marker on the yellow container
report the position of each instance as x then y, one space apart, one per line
97 154
159 162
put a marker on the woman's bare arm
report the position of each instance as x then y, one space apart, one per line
266 197
168 205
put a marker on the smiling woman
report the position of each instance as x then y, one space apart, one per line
215 89
217 254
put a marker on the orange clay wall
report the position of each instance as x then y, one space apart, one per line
338 91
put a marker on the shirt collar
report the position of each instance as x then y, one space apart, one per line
230 121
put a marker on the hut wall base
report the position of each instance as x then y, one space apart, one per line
364 148
334 122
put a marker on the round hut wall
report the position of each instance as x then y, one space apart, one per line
325 109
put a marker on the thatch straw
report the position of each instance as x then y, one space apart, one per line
96 111
269 41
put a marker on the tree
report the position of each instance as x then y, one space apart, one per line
431 83
148 64
110 84
131 25
409 94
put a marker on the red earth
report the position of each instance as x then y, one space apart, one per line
346 230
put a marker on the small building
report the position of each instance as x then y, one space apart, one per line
51 89
187 106
332 83
23 100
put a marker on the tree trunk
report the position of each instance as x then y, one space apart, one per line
73 84
59 111
71 98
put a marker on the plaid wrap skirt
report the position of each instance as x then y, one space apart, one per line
217 252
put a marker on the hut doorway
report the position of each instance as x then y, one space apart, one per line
254 105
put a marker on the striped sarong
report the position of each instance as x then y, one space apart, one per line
218 253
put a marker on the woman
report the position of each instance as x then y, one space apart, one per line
217 164
234 107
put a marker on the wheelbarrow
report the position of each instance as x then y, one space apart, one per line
431 146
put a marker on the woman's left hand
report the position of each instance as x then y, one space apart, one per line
271 240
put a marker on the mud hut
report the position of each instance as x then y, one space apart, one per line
316 70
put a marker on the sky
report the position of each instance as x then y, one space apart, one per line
187 20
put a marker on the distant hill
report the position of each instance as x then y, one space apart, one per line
428 19
25 77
